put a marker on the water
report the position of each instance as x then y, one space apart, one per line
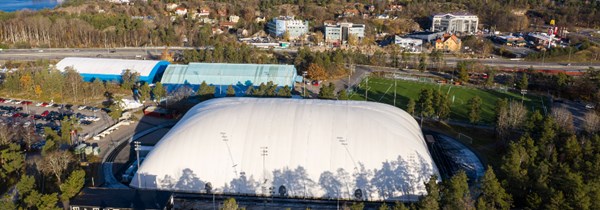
14 5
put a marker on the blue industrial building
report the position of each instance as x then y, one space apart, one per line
111 69
221 75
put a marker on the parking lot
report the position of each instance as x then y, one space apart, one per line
33 117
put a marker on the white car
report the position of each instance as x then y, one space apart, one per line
39 104
16 102
590 106
82 107
50 104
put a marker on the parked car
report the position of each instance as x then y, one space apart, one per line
26 102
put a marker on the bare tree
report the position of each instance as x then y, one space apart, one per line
564 119
591 122
6 135
510 118
56 163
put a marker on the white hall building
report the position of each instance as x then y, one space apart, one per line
455 23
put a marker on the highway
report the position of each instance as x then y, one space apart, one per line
154 53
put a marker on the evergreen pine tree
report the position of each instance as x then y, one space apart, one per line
230 91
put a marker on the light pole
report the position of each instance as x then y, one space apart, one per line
226 140
137 154
304 73
264 152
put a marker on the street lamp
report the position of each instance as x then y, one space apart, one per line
304 73
137 149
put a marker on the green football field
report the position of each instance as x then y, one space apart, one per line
382 90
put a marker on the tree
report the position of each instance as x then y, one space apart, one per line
352 39
509 116
400 206
463 72
384 207
250 91
32 199
474 109
72 186
230 204
343 95
11 160
493 196
116 110
489 82
410 107
327 91
286 36
73 82
443 107
316 72
357 206
423 62
431 201
455 193
96 88
425 103
230 91
48 202
285 92
25 186
205 91
56 163
128 79
591 122
159 91
523 83
564 119
318 37
144 92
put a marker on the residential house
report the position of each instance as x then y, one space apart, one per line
172 6
426 36
260 19
204 12
279 25
227 25
339 32
222 12
455 23
234 18
409 44
351 13
181 11
383 16
393 8
370 8
448 43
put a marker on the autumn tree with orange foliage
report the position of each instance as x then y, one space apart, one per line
316 72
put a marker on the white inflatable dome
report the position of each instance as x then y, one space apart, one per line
292 147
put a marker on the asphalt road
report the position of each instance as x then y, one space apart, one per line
154 52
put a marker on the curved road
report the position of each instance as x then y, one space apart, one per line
107 169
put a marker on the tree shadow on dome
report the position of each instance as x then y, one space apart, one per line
296 182
243 185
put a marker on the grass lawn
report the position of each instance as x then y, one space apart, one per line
382 90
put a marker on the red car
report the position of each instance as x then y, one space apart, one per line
2 100
45 104
45 113
26 102
17 115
